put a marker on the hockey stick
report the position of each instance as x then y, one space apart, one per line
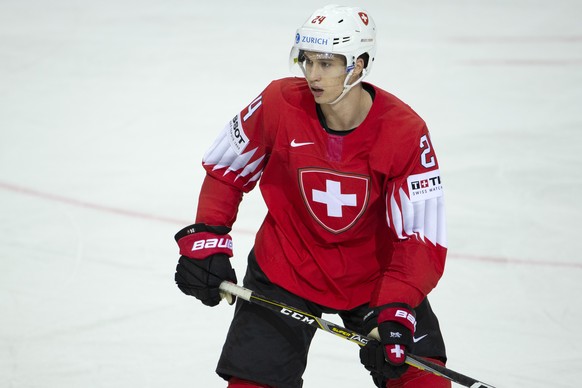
330 327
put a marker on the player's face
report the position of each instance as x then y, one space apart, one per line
325 74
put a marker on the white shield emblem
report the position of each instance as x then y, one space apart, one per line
336 200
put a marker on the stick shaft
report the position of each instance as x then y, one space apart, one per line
330 327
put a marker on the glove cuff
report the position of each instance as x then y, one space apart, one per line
200 241
371 320
402 315
200 227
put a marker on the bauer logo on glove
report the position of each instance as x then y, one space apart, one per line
212 243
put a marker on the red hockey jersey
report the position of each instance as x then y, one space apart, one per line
351 219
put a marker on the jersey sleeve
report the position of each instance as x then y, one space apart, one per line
234 163
415 213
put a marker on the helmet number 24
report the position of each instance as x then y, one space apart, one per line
318 19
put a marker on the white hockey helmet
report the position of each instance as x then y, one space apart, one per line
335 29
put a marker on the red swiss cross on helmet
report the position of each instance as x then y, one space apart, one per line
364 17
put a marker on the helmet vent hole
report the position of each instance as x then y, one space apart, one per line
341 21
345 39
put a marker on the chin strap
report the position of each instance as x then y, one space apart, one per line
347 87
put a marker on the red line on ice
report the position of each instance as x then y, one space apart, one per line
89 205
153 217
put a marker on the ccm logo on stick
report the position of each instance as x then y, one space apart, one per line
212 243
299 317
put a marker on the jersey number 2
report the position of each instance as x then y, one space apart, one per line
427 158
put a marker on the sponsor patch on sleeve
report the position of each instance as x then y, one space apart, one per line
425 186
236 136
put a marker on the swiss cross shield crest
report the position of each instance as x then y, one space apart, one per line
335 199
364 17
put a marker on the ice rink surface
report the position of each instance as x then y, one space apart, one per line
106 108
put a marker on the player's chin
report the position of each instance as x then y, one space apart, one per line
323 97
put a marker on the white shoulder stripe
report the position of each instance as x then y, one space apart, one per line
396 217
224 155
238 162
220 146
421 218
408 213
251 167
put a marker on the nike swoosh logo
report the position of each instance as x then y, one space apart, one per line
419 338
295 144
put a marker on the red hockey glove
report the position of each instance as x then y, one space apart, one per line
204 262
395 324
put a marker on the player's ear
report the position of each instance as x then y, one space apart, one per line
358 69
360 64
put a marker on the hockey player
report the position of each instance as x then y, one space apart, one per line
355 222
